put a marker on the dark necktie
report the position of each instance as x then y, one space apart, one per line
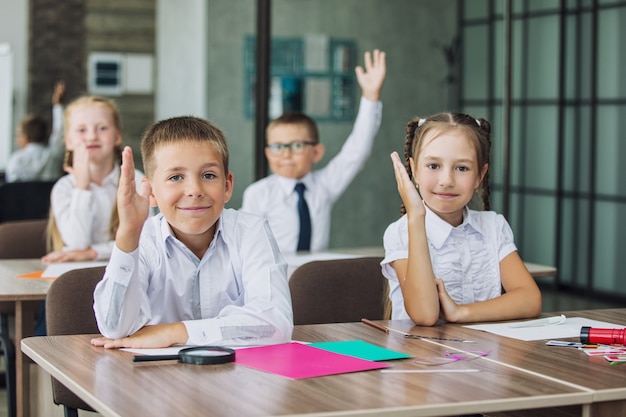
304 241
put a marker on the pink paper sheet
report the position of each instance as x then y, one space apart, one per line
296 360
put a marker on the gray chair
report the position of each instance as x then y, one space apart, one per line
339 291
69 310
18 240
25 200
23 239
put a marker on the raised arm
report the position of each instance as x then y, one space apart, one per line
133 206
371 78
415 274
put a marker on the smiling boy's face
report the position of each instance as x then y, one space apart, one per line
190 187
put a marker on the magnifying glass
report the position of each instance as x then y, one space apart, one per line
197 355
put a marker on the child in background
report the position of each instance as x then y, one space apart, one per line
293 147
83 217
39 158
196 273
441 258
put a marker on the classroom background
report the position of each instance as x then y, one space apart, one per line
545 73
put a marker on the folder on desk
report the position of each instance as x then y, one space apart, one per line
361 349
297 361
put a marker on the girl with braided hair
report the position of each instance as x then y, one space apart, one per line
444 260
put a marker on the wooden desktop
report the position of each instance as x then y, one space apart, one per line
24 295
516 375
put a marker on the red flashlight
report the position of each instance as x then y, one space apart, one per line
590 335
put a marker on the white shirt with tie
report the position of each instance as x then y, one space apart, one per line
275 198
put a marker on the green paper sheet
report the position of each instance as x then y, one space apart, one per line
362 350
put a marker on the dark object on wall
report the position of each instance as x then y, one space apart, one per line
25 200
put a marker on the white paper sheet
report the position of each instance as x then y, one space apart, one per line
56 269
569 328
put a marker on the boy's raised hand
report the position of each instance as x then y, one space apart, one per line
371 78
133 207
57 94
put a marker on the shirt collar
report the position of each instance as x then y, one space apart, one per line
168 234
113 177
289 184
438 230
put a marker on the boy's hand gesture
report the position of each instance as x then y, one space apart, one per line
133 207
57 94
371 78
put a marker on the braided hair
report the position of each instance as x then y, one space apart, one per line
477 130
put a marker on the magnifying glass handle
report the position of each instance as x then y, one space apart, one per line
149 358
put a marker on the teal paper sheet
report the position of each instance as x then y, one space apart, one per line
362 350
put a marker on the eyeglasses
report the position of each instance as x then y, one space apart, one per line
451 357
295 147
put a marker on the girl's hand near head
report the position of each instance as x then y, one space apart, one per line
80 166
410 197
133 207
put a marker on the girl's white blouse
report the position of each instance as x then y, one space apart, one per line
466 257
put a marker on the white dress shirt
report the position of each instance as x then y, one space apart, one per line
467 257
38 161
237 294
274 197
83 217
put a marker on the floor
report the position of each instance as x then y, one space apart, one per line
552 301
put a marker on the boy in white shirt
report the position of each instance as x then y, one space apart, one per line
293 147
196 273
36 160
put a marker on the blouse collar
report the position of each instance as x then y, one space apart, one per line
439 230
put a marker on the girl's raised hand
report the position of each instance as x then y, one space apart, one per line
133 207
410 197
80 166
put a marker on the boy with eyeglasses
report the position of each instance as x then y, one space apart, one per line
297 201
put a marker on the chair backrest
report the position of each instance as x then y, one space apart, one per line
69 310
338 291
25 200
23 239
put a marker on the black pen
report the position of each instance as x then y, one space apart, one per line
149 358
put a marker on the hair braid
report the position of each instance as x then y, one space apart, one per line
411 128
485 134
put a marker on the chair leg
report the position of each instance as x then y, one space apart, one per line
70 412
8 349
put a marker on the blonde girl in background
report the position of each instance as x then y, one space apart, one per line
443 260
83 215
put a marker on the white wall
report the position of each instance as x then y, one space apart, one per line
181 62
6 100
14 31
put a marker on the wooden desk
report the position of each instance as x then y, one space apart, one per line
536 270
25 295
608 383
114 386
